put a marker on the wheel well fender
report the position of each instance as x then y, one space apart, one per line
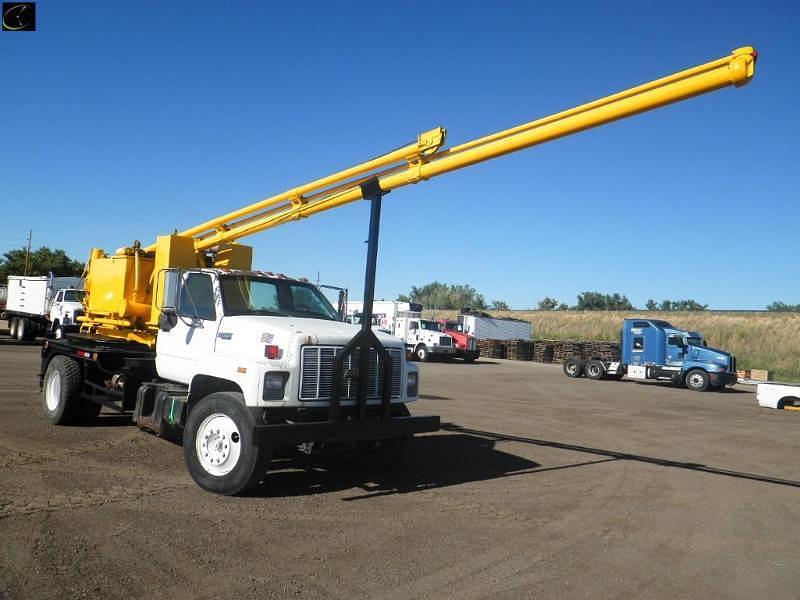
203 385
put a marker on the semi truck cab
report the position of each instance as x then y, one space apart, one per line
466 348
655 349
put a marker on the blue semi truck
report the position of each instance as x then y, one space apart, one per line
652 349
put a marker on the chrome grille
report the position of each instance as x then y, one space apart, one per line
316 373
445 340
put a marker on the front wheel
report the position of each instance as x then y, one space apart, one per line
422 353
697 380
219 445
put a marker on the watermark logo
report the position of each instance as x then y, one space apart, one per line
19 16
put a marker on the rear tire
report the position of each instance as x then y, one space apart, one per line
12 327
61 390
219 445
697 380
573 367
595 369
23 326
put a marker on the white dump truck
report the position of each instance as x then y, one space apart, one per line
43 304
424 338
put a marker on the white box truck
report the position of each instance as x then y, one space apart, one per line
484 327
42 304
424 338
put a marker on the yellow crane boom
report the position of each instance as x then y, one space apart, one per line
121 302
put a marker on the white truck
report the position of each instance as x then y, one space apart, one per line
779 395
43 304
484 327
423 338
243 368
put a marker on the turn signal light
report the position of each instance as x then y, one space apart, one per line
272 352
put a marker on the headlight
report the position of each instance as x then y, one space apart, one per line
412 384
274 385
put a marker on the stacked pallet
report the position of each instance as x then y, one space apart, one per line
491 348
543 350
565 349
519 350
607 351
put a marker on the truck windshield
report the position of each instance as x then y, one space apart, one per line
430 325
695 341
73 295
453 326
254 295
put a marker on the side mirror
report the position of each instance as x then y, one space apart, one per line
168 319
172 282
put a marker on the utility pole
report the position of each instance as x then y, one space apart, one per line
28 251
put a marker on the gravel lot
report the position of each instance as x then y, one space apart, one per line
538 486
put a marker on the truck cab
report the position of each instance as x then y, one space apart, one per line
466 348
655 349
67 306
272 337
424 338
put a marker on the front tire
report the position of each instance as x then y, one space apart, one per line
422 353
61 390
219 445
697 380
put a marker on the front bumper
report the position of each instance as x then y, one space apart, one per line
442 349
722 379
345 431
468 354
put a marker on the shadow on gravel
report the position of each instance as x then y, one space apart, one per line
614 455
10 342
432 461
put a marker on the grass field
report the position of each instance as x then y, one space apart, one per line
759 340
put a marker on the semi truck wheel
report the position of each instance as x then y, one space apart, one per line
595 369
12 327
573 367
219 445
61 390
422 353
697 380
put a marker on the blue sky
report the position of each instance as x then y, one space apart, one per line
123 121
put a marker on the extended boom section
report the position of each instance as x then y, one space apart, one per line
123 299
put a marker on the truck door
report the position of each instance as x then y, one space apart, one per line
182 348
55 307
676 350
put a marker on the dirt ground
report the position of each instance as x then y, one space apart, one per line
538 486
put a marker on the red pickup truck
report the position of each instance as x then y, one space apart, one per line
466 348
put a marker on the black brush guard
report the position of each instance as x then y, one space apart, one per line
358 425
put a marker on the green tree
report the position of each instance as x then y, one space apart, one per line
499 305
783 307
43 261
651 305
563 306
445 296
547 303
600 301
685 305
